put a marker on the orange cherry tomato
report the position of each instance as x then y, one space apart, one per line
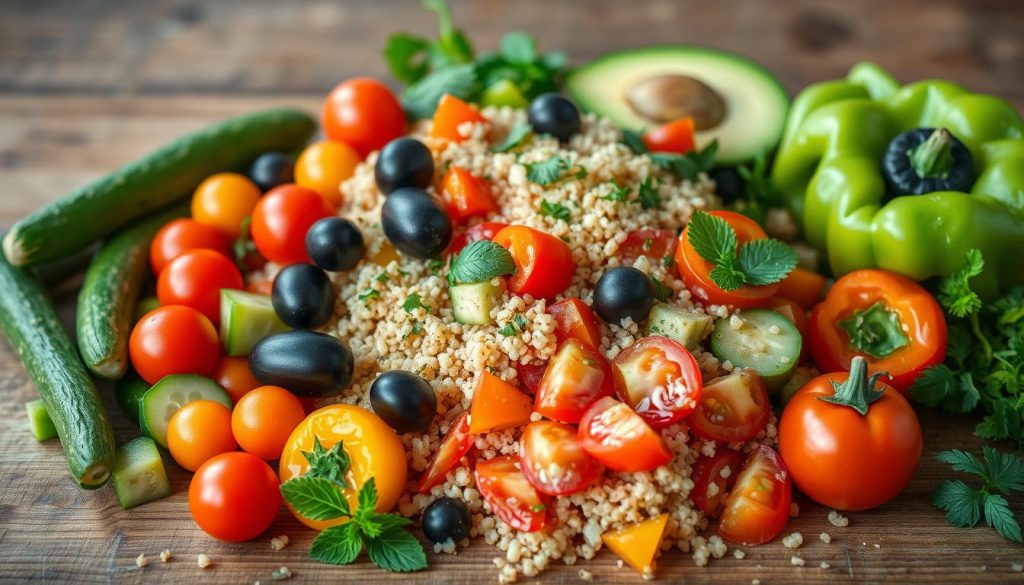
544 264
235 377
574 319
888 319
173 339
757 507
844 459
223 201
263 420
234 497
184 235
281 220
719 471
363 113
657 245
803 286
731 408
195 280
450 114
619 438
454 446
676 136
553 461
466 195
696 271
512 498
480 231
497 405
577 377
323 166
199 431
659 379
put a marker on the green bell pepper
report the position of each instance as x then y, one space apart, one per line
829 171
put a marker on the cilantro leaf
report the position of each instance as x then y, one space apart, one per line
481 261
369 295
406 56
413 302
687 166
337 545
1005 471
508 330
516 135
766 261
955 292
398 551
315 498
554 210
548 171
962 461
648 196
619 194
330 464
711 237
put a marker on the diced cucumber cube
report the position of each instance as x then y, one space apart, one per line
139 475
39 421
687 327
472 303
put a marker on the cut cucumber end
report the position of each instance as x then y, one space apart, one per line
39 421
245 319
763 340
167 396
95 476
139 474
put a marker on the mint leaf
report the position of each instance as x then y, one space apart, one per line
368 495
554 210
337 545
961 504
648 196
315 498
727 277
481 261
516 135
413 302
712 238
547 171
999 516
766 261
398 551
406 56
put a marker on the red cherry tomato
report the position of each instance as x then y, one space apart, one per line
235 377
676 136
195 280
530 375
713 478
466 195
659 379
544 264
234 497
553 461
173 339
480 231
576 378
575 320
185 235
757 508
454 446
450 114
364 114
281 220
619 438
731 408
657 245
512 498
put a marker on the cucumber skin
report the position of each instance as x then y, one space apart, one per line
30 323
110 292
152 182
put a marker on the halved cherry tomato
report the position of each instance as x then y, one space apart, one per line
480 231
731 408
450 114
466 195
497 405
619 438
234 496
223 201
888 319
696 271
793 311
719 471
530 375
512 498
653 243
803 286
757 508
364 114
676 136
173 339
544 264
281 220
323 166
553 461
659 379
454 446
576 378
575 320
184 235
235 377
195 280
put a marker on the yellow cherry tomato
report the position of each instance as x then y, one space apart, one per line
372 446
323 166
223 201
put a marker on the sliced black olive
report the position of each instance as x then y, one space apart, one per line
553 114
272 169
335 244
416 223
404 162
303 296
306 362
404 400
446 519
926 160
623 292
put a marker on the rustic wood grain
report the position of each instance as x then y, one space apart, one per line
86 86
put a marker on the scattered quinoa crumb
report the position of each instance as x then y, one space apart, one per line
837 519
796 561
165 555
755 582
279 542
203 561
141 560
794 510
794 540
586 575
825 565
1017 567
620 563
878 545
739 554
825 537
281 573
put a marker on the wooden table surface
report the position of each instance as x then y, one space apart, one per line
86 86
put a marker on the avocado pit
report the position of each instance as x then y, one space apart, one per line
663 98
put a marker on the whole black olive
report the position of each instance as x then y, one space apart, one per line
926 160
305 362
416 223
553 114
623 292
446 519
335 244
404 400
403 162
729 185
303 296
272 169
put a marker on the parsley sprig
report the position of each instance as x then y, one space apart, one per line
480 261
687 166
552 170
1000 474
757 262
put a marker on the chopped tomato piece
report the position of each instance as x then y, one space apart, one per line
544 264
655 244
512 498
757 508
450 114
576 378
466 195
638 543
480 231
497 405
803 286
732 408
575 320
530 375
620 439
454 446
659 378
553 461
675 136
713 478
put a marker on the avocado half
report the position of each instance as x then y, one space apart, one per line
755 101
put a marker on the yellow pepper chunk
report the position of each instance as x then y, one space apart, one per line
638 543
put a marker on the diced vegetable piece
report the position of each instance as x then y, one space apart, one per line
246 318
472 303
764 340
638 543
139 474
466 195
497 405
803 286
450 114
512 498
129 392
455 444
39 421
171 393
687 327
503 92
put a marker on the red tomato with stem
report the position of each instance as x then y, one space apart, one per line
173 339
553 461
466 195
512 498
659 379
234 497
713 478
480 231
185 235
195 280
575 320
576 378
676 136
364 114
544 264
731 408
454 446
530 375
281 220
757 508
658 245
619 438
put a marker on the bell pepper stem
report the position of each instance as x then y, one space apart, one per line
933 158
875 331
858 391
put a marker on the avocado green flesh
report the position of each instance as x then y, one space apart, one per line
756 103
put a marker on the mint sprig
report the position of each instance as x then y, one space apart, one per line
757 262
480 261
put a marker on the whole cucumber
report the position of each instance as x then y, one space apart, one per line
151 183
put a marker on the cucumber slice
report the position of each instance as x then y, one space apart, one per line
246 318
129 392
139 475
171 393
39 421
687 327
472 303
767 342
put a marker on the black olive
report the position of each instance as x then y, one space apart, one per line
926 160
623 292
335 243
729 185
403 162
305 362
446 519
272 169
416 223
303 296
404 400
553 114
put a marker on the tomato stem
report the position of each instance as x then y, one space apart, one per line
858 391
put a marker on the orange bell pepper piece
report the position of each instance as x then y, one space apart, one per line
497 405
466 195
638 543
450 114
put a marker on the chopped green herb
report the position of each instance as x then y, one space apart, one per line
481 261
687 166
554 210
382 277
508 330
619 194
435 265
413 302
662 292
516 135
367 296
668 261
635 141
520 321
547 171
648 196
416 329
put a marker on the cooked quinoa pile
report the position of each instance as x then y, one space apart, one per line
430 342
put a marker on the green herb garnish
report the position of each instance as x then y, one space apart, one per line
648 196
413 302
619 194
369 295
758 262
516 135
662 291
508 330
435 265
554 210
547 171
687 166
1000 474
480 261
